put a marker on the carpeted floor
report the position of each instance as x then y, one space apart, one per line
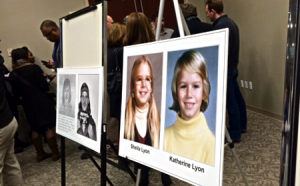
258 153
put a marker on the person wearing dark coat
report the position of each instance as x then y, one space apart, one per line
10 171
235 103
13 103
114 56
194 24
28 82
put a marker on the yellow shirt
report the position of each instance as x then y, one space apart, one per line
191 139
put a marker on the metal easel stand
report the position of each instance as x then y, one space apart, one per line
91 154
138 178
63 160
123 165
230 144
182 26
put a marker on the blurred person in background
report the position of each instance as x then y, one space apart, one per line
28 82
165 33
194 24
10 171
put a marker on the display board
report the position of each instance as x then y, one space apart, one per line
173 106
82 39
79 105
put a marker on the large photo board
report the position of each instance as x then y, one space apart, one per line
173 106
79 105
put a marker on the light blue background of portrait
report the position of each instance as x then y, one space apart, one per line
210 55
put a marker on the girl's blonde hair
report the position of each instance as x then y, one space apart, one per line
116 35
193 62
153 119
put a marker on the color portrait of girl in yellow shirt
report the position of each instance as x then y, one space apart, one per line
190 135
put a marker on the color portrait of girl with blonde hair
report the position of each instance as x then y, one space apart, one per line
142 122
190 135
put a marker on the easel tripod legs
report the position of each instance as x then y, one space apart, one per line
230 144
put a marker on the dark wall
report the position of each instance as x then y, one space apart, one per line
118 9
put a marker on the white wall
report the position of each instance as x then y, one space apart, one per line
263 38
20 22
200 4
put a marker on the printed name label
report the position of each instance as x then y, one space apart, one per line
186 164
141 149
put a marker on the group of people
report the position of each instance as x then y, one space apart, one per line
30 84
190 91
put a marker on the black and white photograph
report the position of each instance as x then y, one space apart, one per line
85 87
86 123
67 87
87 106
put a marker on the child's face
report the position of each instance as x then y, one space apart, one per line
85 100
190 94
142 86
67 94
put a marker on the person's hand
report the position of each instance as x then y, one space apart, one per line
51 76
50 64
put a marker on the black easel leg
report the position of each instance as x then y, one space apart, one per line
103 155
97 166
63 161
121 160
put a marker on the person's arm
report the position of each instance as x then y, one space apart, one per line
41 80
49 65
14 85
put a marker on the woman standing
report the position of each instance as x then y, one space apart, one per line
29 83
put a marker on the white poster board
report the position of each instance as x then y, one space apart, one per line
197 160
82 40
79 105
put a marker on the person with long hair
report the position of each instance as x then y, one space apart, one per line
142 118
190 135
115 38
28 82
138 30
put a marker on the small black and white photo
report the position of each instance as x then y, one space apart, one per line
67 99
87 116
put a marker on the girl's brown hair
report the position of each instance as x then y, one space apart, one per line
138 29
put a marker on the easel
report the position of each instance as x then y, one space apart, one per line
230 144
183 26
104 141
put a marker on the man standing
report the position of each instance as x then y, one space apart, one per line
10 171
86 123
165 33
194 24
110 21
236 106
51 31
